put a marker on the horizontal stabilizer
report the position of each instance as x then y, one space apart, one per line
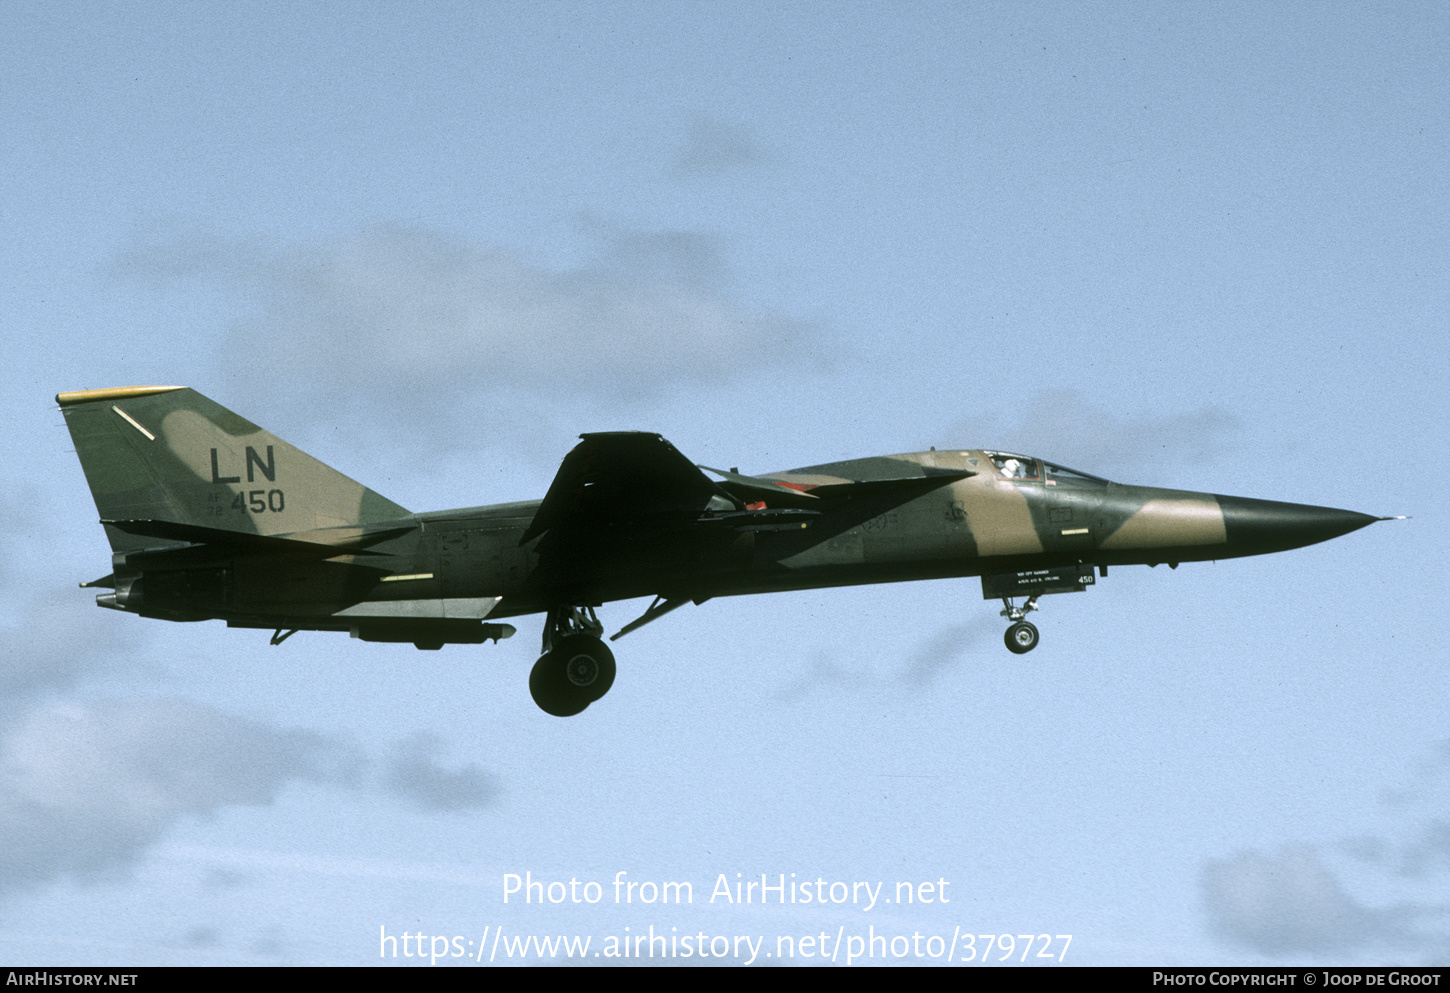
469 608
324 543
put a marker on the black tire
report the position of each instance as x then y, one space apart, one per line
588 665
552 691
1021 638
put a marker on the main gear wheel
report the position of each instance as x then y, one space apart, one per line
577 671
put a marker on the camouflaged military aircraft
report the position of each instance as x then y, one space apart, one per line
210 517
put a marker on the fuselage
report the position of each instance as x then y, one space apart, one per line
209 516
1012 513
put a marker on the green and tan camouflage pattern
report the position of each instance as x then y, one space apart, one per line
210 516
169 453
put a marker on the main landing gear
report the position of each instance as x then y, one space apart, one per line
1021 637
576 668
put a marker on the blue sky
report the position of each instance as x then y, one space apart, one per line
1201 247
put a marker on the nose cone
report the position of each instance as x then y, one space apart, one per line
1257 526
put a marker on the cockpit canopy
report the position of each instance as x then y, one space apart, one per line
1026 467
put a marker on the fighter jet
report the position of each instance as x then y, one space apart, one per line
210 517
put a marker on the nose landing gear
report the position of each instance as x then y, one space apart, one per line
1022 636
1033 583
576 668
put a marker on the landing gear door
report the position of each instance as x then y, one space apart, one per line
1036 582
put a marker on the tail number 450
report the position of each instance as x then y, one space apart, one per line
260 501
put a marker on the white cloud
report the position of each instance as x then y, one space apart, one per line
1428 853
823 674
85 789
413 773
1068 427
403 323
1293 903
713 147
945 649
1285 904
59 638
933 659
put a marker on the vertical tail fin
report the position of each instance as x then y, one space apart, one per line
167 453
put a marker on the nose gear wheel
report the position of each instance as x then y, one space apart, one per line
1022 636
